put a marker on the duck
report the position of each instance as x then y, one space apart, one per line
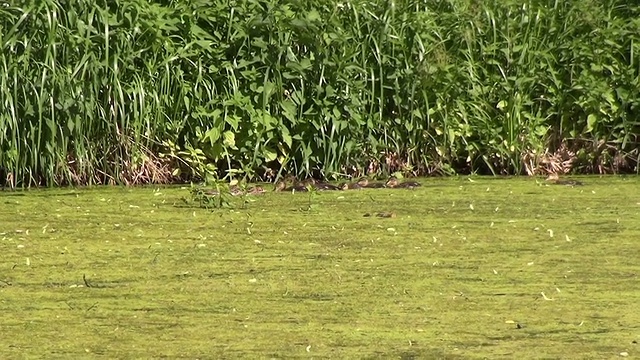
555 180
395 184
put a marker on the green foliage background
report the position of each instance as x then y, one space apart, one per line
137 91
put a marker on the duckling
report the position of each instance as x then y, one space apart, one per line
257 190
212 192
327 187
236 190
392 182
364 182
555 179
233 190
280 186
349 186
303 185
395 184
409 185
296 186
323 186
319 185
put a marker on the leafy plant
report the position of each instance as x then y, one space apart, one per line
138 91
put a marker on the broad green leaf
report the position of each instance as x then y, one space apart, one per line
305 64
233 121
286 137
289 110
212 135
269 155
283 151
313 15
229 139
591 122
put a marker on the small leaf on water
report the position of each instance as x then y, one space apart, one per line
253 280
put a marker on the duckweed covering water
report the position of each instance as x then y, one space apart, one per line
477 268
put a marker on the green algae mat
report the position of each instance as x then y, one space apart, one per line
462 268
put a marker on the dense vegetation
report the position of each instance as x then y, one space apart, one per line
138 91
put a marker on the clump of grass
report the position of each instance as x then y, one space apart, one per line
210 199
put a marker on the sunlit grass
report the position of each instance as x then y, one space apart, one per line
460 272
